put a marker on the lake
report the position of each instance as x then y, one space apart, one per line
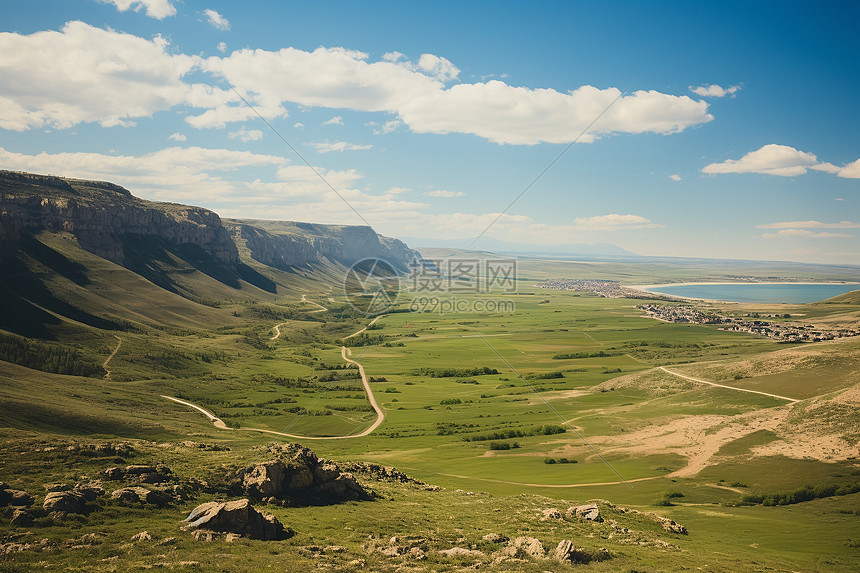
794 293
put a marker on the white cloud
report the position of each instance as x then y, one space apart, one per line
388 127
850 171
810 225
806 234
85 74
158 9
444 193
675 177
714 90
336 120
177 137
614 222
438 67
246 135
772 159
343 79
171 174
782 160
81 74
328 147
217 21
222 47
826 167
298 125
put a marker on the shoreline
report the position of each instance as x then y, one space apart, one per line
649 288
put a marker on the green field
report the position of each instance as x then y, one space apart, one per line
485 405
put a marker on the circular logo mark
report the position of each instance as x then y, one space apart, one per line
371 286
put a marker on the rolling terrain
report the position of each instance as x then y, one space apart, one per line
127 326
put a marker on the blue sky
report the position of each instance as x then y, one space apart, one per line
737 138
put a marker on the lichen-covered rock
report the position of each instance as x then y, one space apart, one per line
22 518
564 551
673 527
588 512
524 547
495 538
64 502
136 494
551 513
237 517
297 475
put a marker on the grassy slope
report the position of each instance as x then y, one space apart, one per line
226 363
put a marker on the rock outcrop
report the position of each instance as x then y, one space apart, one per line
287 244
297 476
235 518
139 473
588 512
103 215
14 497
63 502
140 495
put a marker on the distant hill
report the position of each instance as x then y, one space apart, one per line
69 249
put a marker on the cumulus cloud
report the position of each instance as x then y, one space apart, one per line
444 193
805 233
222 47
336 120
772 159
85 74
57 79
850 171
171 174
339 78
782 160
714 90
615 222
177 137
328 147
246 135
158 9
675 177
216 20
810 225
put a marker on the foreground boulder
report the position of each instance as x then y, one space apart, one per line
65 502
235 517
588 512
14 497
298 476
134 495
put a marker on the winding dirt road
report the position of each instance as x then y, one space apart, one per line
666 370
345 353
369 324
112 354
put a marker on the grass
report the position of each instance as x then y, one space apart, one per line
605 389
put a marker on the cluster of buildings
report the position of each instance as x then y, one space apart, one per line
781 332
607 289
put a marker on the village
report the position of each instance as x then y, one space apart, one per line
781 332
604 288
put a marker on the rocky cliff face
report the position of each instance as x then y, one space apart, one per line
285 244
101 215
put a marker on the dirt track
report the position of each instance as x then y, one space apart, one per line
345 353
